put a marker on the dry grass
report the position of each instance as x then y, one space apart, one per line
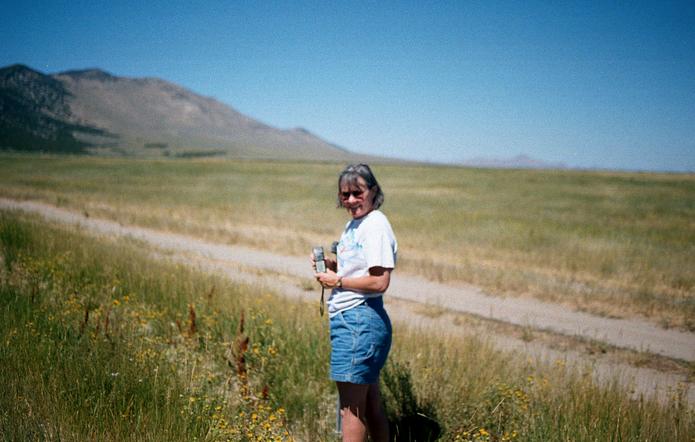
162 354
614 244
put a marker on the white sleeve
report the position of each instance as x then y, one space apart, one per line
379 248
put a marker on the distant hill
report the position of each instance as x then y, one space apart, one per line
516 162
35 115
92 111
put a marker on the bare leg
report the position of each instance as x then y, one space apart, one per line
353 404
377 423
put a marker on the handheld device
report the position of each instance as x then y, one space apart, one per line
320 259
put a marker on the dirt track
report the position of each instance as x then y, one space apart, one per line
407 292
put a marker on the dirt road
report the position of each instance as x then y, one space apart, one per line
407 292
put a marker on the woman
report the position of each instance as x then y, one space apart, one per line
360 327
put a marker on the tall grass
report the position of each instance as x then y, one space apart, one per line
98 341
616 244
101 343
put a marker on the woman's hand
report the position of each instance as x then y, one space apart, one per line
328 279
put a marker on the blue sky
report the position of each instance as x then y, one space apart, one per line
590 84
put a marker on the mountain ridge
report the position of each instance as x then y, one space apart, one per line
94 111
34 113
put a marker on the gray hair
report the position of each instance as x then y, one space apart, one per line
351 175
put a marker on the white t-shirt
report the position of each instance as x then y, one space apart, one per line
366 242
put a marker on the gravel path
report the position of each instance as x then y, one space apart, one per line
624 333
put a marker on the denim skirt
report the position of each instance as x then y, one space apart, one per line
360 342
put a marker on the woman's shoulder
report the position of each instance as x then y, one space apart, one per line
376 215
378 218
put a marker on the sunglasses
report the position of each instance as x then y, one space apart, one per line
354 193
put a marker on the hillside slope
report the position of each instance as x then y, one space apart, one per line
34 113
94 111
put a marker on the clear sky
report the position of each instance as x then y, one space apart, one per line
591 84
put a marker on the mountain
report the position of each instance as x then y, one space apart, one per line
35 115
516 162
92 111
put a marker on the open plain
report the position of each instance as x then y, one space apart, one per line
570 268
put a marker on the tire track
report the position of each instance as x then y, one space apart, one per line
631 334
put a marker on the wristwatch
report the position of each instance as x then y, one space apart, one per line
340 282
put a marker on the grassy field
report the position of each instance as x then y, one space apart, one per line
100 342
615 244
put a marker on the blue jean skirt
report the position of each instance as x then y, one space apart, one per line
360 342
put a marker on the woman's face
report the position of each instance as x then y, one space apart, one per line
357 199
